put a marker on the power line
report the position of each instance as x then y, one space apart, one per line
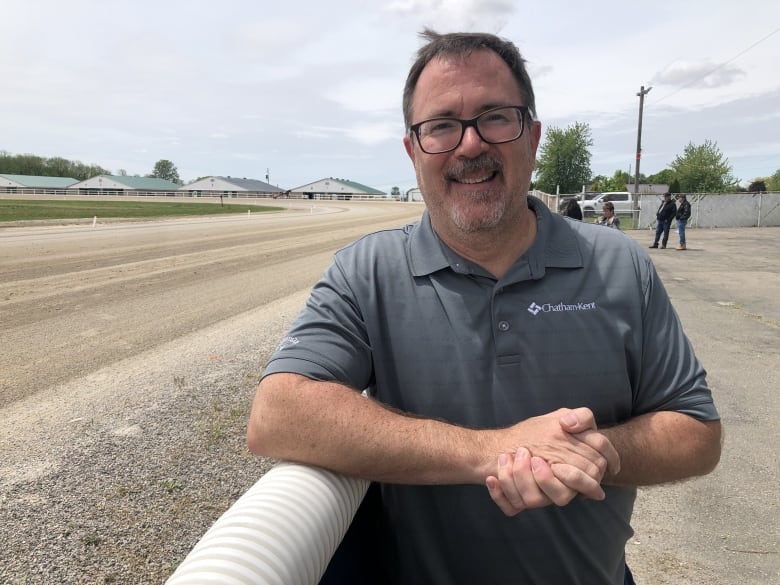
734 58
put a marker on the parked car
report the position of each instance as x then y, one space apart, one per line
622 200
588 195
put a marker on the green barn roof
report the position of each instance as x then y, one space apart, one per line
41 182
141 183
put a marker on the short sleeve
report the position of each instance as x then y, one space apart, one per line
328 340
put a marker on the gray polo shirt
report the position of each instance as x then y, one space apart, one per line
581 319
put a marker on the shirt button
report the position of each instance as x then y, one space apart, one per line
503 325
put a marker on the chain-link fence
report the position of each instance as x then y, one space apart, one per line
708 210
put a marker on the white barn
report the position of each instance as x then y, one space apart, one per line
13 182
232 187
413 194
331 188
116 184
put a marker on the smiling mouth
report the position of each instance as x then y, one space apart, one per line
475 180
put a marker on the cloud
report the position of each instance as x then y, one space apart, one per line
366 133
367 94
703 74
370 134
450 15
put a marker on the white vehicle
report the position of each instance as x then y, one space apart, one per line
622 200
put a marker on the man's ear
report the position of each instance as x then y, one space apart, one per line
536 135
409 146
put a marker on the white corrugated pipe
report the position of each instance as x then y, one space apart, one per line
282 531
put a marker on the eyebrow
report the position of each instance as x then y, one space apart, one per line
484 108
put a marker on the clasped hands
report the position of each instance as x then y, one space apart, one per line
555 458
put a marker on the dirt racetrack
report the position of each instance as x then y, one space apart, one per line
130 351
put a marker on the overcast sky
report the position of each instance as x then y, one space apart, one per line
312 89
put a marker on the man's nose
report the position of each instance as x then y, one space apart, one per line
472 144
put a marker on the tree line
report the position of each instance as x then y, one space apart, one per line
564 166
39 166
30 164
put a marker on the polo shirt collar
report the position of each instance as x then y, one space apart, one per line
554 246
425 248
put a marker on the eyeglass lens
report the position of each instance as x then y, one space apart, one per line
494 126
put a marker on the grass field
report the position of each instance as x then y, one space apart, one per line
24 210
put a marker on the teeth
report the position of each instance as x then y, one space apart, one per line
475 181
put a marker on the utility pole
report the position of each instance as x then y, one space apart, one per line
642 93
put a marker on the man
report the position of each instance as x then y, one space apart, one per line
664 216
457 327
682 216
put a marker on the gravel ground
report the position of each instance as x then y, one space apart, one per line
121 496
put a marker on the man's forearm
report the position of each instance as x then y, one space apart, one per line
662 447
331 426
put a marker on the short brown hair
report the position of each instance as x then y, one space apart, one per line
609 205
462 45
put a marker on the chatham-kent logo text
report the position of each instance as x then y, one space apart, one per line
535 309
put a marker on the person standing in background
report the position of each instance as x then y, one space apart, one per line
573 210
682 216
665 214
608 217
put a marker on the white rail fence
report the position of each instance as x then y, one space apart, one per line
79 193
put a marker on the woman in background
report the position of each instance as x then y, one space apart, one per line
608 218
573 210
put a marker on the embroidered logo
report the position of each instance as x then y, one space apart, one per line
535 308
288 342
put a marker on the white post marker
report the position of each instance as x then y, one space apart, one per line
94 221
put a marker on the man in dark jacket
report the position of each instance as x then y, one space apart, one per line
665 214
683 215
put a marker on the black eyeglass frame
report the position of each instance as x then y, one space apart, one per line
472 123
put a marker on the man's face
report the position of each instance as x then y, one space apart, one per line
477 185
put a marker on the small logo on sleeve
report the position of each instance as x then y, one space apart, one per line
288 342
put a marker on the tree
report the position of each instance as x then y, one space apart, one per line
757 186
664 177
30 164
773 182
597 182
617 182
165 169
395 193
703 169
564 160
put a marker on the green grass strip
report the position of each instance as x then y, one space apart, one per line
24 210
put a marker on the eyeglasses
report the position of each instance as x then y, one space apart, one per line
494 126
